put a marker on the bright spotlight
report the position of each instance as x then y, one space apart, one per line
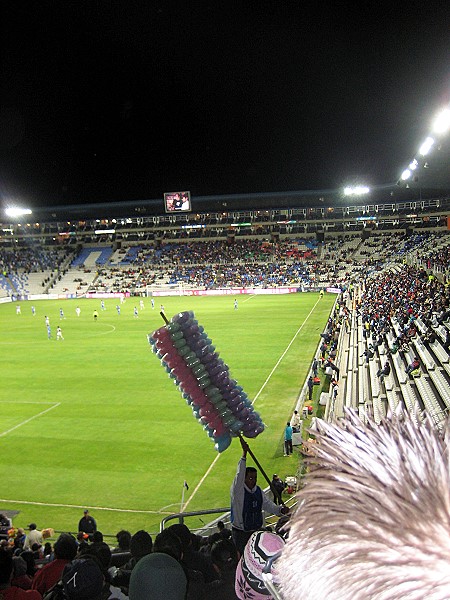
441 123
17 212
426 146
413 165
357 190
406 174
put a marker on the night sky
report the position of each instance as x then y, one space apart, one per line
106 101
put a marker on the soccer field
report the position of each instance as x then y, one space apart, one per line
94 421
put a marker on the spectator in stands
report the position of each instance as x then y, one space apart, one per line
8 591
29 558
224 558
385 371
193 559
277 486
296 422
19 577
123 541
159 577
102 553
168 542
141 544
360 529
34 537
223 530
248 502
413 366
65 549
87 524
368 353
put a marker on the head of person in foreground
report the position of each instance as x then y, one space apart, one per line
373 518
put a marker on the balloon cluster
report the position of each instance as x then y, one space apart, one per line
204 380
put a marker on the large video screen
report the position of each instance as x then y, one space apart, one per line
177 202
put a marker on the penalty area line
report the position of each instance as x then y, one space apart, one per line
208 471
30 419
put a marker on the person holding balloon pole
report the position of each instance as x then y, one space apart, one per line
248 502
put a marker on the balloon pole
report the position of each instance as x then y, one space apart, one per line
166 320
258 464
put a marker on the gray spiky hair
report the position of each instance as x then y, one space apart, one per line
373 519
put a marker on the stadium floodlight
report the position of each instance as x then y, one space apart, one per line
17 212
426 146
357 190
406 174
413 165
441 123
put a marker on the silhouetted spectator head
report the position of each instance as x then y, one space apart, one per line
102 552
123 540
373 516
182 531
159 577
224 556
6 567
168 542
19 567
29 558
141 544
83 579
97 537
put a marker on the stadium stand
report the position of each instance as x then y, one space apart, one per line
394 293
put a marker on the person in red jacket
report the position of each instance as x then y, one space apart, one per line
65 549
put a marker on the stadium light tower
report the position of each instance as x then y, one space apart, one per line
15 211
357 190
426 146
441 123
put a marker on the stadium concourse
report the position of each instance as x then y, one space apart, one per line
384 353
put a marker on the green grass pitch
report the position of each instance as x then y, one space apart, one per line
94 420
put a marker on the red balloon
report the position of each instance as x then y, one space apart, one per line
220 429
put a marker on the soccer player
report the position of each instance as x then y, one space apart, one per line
33 311
47 321
18 312
118 309
61 314
153 303
136 315
141 304
102 305
95 315
49 332
59 335
235 304
78 311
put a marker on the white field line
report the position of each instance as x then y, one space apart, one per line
30 419
250 297
200 483
124 510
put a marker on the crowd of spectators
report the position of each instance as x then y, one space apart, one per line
175 564
30 259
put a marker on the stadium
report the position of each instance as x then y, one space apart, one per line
150 346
